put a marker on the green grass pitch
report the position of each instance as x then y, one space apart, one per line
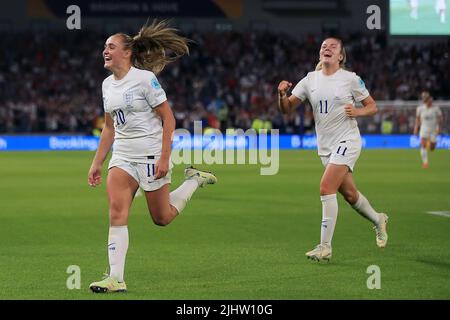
244 238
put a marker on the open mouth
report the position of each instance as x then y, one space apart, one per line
107 59
327 55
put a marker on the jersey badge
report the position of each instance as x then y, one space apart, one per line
128 98
155 84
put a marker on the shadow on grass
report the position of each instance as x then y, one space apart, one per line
435 262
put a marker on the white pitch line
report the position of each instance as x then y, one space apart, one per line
440 213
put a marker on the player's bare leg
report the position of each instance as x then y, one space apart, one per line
361 205
121 188
161 211
442 16
164 205
432 145
425 145
329 185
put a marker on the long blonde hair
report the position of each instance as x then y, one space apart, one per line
343 52
149 47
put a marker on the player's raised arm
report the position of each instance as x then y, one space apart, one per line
286 104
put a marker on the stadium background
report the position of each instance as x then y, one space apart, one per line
50 90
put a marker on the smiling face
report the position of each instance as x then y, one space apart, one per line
114 54
425 96
331 52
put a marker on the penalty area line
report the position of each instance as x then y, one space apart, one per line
440 213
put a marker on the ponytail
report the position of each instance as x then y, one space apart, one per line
149 47
319 66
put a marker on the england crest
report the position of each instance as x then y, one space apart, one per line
128 98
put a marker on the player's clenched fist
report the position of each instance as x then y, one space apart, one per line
283 87
351 111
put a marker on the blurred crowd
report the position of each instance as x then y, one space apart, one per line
51 82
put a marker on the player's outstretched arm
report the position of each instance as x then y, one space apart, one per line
286 104
106 141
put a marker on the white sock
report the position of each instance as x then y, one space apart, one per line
181 195
424 155
117 251
363 207
329 217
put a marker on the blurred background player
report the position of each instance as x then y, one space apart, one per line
441 7
414 5
429 119
140 121
332 93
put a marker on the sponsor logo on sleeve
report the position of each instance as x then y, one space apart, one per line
361 83
155 84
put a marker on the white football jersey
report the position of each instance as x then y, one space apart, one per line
429 118
328 95
130 102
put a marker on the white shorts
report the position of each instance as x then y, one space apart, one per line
428 135
345 152
440 5
143 173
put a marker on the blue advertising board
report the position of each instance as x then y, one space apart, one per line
284 142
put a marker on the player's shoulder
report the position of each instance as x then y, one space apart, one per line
311 75
436 109
143 74
107 81
350 75
146 78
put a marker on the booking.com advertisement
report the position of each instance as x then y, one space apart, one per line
285 142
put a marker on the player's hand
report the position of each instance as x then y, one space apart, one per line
351 111
283 87
95 175
161 168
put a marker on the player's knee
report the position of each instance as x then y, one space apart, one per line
326 189
116 213
161 221
117 218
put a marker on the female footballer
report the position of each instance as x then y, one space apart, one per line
429 119
332 93
139 120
